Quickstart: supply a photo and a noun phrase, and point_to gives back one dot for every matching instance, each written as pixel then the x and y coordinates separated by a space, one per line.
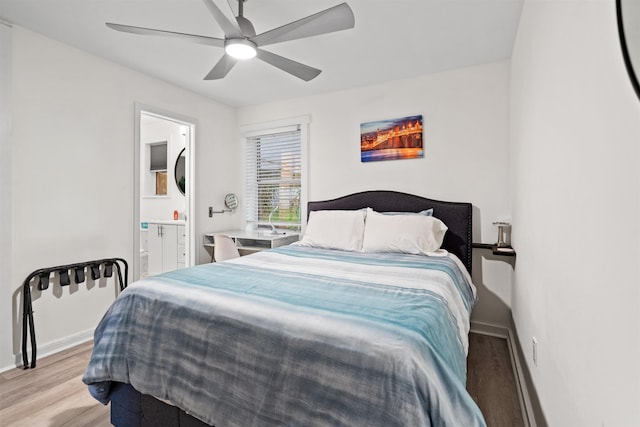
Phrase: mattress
pixel 297 336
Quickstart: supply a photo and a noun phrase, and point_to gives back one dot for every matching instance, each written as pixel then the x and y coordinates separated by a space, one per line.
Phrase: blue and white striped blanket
pixel 297 336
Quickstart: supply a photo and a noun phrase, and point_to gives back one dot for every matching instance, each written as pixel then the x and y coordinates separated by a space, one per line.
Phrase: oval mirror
pixel 231 201
pixel 179 172
pixel 628 13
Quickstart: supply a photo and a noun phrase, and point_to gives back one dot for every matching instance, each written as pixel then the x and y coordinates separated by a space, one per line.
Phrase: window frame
pixel 253 130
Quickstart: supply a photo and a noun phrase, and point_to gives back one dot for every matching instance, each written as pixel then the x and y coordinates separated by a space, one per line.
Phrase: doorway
pixel 164 226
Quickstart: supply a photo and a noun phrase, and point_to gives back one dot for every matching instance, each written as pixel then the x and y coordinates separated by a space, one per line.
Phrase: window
pixel 274 166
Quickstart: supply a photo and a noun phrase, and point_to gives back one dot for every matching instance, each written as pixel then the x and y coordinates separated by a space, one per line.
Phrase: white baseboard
pixel 7 368
pixel 52 347
pixel 523 390
pixel 521 384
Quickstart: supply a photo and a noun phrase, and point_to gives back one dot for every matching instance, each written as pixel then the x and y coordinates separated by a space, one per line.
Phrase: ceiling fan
pixel 241 42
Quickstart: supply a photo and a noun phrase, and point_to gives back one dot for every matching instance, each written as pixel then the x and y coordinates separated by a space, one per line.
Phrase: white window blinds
pixel 274 169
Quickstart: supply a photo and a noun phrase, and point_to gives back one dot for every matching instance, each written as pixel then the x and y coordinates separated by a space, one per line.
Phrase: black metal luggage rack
pixel 78 269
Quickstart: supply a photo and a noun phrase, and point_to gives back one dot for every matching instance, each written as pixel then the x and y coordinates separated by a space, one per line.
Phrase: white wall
pixel 73 139
pixel 465 117
pixel 575 145
pixel 6 259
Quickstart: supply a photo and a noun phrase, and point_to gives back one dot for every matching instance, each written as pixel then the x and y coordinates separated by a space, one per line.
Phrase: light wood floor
pixel 53 395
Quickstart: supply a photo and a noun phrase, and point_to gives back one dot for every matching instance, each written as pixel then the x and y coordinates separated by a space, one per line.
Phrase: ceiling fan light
pixel 240 48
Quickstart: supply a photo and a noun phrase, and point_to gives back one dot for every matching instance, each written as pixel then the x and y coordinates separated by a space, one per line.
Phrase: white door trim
pixel 190 172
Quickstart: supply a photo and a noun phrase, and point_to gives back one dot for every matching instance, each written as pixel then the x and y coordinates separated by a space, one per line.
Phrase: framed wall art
pixel 392 139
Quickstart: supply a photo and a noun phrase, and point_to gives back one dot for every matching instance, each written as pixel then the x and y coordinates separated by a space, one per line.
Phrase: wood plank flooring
pixel 491 381
pixel 53 395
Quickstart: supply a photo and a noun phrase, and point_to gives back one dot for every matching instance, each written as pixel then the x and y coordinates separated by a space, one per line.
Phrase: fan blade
pixel 224 17
pixel 222 68
pixel 336 18
pixel 294 68
pixel 210 41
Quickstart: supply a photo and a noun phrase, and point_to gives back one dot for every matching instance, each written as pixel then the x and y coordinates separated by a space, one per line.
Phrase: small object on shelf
pixel 502 233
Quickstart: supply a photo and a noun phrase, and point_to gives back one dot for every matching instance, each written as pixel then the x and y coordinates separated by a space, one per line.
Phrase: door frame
pixel 190 172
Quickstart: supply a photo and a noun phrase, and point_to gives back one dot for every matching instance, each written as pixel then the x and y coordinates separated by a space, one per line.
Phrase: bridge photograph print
pixel 391 139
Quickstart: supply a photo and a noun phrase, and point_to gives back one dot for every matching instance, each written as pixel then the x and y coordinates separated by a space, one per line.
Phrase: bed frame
pixel 130 408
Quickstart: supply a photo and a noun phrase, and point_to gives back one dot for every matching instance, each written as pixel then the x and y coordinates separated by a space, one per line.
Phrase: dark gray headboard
pixel 456 215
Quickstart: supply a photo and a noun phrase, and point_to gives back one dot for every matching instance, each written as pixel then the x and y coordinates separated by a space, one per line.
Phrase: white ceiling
pixel 392 39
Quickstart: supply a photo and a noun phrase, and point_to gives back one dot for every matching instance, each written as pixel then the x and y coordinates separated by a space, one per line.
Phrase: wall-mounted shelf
pixel 497 250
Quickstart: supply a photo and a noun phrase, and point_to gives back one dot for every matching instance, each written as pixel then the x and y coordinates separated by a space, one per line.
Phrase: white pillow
pixel 335 229
pixel 412 234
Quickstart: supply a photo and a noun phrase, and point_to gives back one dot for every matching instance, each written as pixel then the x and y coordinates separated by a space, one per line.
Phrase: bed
pixel 300 335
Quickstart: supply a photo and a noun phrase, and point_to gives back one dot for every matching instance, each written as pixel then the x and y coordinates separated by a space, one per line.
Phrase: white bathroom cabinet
pixel 166 247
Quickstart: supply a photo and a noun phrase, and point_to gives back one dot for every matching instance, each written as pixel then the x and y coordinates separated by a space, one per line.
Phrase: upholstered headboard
pixel 456 215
